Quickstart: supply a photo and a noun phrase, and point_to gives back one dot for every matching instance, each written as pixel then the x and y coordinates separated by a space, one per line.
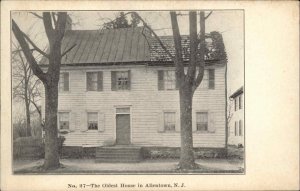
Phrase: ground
pixel 88 166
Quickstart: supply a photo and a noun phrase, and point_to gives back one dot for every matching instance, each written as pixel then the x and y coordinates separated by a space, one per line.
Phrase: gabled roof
pixel 237 92
pixel 126 45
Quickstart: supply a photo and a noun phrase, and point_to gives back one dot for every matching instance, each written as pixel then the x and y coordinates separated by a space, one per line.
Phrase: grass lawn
pixel 163 166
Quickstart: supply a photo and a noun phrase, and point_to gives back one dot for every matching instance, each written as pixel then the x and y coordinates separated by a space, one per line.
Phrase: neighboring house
pixel 236 125
pixel 119 86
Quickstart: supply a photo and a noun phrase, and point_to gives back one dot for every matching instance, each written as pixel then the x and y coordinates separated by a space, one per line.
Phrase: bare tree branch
pixel 35 47
pixel 193 46
pixel 38 16
pixel 54 19
pixel 31 60
pixel 178 47
pixel 201 61
pixel 68 50
pixel 208 15
pixel 155 35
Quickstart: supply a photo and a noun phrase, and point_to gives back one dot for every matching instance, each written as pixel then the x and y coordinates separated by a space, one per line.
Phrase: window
pixel 63 118
pixel 120 80
pixel 63 82
pixel 208 80
pixel 236 128
pixel 169 121
pixel 240 102
pixel 94 81
pixel 240 128
pixel 92 120
pixel 235 104
pixel 211 79
pixel 202 121
pixel 167 80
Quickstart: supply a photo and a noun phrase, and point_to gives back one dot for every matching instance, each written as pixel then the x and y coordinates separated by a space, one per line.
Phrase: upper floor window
pixel 64 120
pixel 202 121
pixel 63 82
pixel 208 80
pixel 94 81
pixel 169 121
pixel 92 120
pixel 167 80
pixel 120 80
pixel 211 79
pixel 238 102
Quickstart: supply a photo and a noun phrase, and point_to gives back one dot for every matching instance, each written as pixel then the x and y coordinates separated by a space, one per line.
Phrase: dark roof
pixel 120 46
pixel 237 92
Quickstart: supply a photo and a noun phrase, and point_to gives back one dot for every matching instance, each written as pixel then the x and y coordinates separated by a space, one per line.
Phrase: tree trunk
pixel 27 104
pixel 187 160
pixel 51 146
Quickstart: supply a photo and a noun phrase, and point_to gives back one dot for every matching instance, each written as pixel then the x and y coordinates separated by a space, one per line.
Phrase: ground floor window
pixel 92 120
pixel 202 121
pixel 64 120
pixel 169 121
pixel 238 128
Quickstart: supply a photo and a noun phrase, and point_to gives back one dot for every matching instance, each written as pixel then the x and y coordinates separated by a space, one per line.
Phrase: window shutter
pixel 160 80
pixel 100 81
pixel 211 123
pixel 129 80
pixel 101 122
pixel 235 128
pixel 177 124
pixel 72 121
pixel 160 122
pixel 211 79
pixel 66 81
pixel 241 101
pixel 113 80
pixel 241 128
pixel 88 81
pixel 83 121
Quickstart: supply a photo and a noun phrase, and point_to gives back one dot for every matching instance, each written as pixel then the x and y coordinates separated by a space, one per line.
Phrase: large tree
pixel 189 80
pixel 54 24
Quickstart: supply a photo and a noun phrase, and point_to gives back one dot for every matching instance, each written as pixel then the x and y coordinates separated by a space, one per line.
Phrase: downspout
pixel 226 122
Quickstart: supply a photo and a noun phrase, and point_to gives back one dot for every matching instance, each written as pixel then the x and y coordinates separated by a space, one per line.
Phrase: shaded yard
pixel 88 166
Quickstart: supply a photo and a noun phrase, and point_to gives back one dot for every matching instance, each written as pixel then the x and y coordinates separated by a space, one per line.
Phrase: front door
pixel 123 129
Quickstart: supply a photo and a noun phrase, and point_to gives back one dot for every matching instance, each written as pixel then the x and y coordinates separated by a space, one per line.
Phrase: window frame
pixel 240 128
pixel 164 119
pixel 207 121
pixel 88 122
pixel 62 90
pixel 211 79
pixel 115 86
pixel 58 119
pixel 86 81
pixel 172 82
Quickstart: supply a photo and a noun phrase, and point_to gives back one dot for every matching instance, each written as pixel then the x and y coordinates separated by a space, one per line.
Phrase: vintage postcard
pixel 149 95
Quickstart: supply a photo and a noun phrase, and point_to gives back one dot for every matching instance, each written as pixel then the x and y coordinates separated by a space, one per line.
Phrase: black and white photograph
pixel 128 92
pixel 149 95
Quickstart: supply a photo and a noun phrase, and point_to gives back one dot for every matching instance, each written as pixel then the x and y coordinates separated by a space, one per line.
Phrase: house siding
pixel 146 104
pixel 236 117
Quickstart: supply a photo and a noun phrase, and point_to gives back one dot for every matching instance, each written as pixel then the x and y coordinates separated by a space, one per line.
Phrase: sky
pixel 230 23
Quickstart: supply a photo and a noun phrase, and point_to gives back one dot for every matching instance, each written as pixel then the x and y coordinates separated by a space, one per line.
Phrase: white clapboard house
pixel 119 86
pixel 236 125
